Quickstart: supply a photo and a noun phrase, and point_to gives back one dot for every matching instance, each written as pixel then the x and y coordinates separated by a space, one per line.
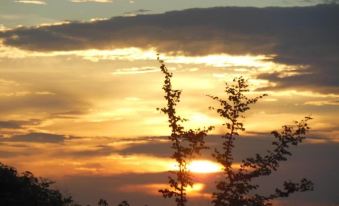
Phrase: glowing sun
pixel 204 166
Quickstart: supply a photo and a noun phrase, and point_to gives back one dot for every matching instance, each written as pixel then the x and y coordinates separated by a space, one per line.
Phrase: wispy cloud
pixel 137 12
pixel 322 103
pixel 37 2
pixel 135 70
pixel 87 1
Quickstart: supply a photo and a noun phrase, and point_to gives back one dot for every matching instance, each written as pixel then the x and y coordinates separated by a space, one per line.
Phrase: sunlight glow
pixel 134 53
pixel 204 166
pixel 195 190
pixel 197 119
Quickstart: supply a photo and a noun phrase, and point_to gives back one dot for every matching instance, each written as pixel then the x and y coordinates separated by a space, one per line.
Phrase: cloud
pixel 87 1
pixel 161 149
pixel 37 2
pixel 137 12
pixel 114 175
pixel 100 150
pixel 135 70
pixel 304 36
pixel 318 162
pixel 13 124
pixel 73 114
pixel 148 146
pixel 330 1
pixel 39 137
pixel 28 101
pixel 322 103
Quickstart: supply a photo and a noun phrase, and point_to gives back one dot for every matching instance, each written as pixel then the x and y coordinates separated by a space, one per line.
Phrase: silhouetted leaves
pixel 28 190
pixel 102 202
pixel 236 187
pixel 185 143
pixel 124 203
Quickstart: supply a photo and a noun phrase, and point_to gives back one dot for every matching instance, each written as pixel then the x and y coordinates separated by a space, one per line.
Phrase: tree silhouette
pixel 124 203
pixel 102 202
pixel 185 143
pixel 25 189
pixel 28 190
pixel 236 188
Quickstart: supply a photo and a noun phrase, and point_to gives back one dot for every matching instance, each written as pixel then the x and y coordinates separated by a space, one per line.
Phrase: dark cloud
pixel 100 150
pixel 109 188
pixel 73 114
pixel 296 35
pixel 142 145
pixel 38 137
pixel 57 104
pixel 314 161
pixel 245 147
pixel 331 1
pixel 161 149
pixel 12 124
pixel 322 1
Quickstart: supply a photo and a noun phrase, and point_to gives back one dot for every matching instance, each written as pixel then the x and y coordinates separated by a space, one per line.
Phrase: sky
pixel 80 86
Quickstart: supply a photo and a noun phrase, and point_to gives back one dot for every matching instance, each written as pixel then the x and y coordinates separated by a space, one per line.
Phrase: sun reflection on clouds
pixel 261 62
pixel 36 2
pixel 100 156
pixel 193 191
pixel 79 156
pixel 135 70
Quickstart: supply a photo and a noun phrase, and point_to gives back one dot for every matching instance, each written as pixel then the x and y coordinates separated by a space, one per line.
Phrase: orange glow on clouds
pixel 195 190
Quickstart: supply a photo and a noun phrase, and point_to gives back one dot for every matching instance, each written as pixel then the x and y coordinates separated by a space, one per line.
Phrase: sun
pixel 204 166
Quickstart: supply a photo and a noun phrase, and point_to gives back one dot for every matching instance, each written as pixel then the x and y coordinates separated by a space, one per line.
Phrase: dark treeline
pixel 27 190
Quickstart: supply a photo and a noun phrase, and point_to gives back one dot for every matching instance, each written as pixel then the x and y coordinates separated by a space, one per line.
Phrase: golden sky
pixel 79 98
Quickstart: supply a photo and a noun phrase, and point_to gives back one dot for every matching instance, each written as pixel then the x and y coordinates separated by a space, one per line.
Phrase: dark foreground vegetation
pixel 27 190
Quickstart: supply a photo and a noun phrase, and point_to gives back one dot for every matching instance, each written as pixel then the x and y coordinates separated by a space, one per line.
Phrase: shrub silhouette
pixel 102 202
pixel 25 189
pixel 185 143
pixel 28 190
pixel 124 203
pixel 236 188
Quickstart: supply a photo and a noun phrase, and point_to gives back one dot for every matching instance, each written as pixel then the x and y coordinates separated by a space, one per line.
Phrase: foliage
pixel 102 202
pixel 124 203
pixel 236 188
pixel 185 143
pixel 25 189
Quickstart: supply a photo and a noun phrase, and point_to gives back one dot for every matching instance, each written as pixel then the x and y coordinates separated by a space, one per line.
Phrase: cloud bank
pixel 305 36
pixel 39 137
pixel 37 2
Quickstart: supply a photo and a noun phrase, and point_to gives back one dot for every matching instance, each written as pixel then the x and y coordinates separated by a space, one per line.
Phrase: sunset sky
pixel 80 84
